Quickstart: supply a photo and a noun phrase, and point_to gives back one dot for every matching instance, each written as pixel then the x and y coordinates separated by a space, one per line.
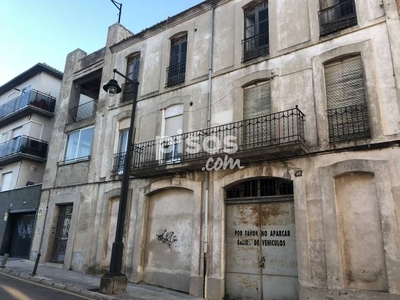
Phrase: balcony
pixel 348 123
pixel 274 136
pixel 30 102
pixel 255 46
pixel 23 147
pixel 176 74
pixel 81 112
pixel 129 91
pixel 337 17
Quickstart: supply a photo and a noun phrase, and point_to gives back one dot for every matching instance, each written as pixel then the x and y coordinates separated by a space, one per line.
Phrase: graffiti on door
pixel 25 230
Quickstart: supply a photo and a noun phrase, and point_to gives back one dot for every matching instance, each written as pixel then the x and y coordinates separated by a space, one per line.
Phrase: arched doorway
pixel 261 258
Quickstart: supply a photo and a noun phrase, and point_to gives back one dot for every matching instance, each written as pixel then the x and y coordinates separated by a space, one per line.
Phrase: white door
pixel 261 261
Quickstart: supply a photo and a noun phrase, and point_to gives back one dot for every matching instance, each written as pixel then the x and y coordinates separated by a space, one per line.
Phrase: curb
pixel 58 285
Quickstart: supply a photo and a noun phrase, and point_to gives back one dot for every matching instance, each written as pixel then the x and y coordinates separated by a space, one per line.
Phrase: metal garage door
pixel 261 261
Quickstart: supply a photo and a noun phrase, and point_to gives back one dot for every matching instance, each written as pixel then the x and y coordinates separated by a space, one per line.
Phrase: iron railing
pixel 24 144
pixel 33 98
pixel 348 123
pixel 255 46
pixel 176 74
pixel 81 112
pixel 262 132
pixel 129 92
pixel 337 17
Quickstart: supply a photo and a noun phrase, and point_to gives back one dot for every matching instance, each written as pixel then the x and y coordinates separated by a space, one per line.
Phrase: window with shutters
pixel 335 15
pixel 177 62
pixel 172 143
pixel 347 108
pixel 256 114
pixel 256 31
pixel 129 90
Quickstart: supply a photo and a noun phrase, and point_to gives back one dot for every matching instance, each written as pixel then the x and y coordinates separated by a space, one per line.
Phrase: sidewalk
pixel 84 284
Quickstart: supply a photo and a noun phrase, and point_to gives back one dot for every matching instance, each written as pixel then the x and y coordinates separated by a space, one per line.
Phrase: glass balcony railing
pixel 81 112
pixel 25 145
pixel 32 98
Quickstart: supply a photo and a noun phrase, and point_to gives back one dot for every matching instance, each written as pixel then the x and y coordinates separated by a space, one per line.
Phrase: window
pixel 256 115
pixel 129 90
pixel 335 15
pixel 177 63
pixel 172 144
pixel 122 147
pixel 256 31
pixel 79 145
pixel 6 181
pixel 264 187
pixel 346 100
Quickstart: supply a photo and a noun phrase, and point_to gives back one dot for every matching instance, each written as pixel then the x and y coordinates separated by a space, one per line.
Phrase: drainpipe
pixel 207 184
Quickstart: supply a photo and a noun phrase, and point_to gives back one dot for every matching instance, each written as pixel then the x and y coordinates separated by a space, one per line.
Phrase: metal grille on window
pixel 336 15
pixel 264 187
pixel 256 39
pixel 256 104
pixel 346 100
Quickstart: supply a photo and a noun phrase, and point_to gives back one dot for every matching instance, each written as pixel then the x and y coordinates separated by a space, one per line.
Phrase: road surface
pixel 14 288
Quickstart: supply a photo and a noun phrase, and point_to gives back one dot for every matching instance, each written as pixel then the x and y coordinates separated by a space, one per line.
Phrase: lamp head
pixel 112 88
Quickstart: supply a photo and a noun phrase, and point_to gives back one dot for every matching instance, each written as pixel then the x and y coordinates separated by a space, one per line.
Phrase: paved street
pixel 14 288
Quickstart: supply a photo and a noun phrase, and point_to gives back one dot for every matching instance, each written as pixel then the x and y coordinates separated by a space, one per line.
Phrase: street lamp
pixel 114 282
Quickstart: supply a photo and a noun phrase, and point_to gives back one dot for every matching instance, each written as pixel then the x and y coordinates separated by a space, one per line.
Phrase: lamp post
pixel 114 282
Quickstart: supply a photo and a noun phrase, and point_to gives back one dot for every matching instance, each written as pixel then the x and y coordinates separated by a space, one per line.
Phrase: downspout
pixel 207 183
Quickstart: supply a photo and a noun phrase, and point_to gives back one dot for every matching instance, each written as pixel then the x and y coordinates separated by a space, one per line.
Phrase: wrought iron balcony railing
pixel 81 112
pixel 129 91
pixel 25 145
pixel 32 98
pixel 238 138
pixel 348 123
pixel 255 46
pixel 176 74
pixel 337 17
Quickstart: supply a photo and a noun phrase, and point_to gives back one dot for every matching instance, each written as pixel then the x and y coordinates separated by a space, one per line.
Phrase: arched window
pixel 259 188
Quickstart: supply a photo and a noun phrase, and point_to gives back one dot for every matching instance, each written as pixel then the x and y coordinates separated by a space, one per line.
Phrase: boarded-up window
pixel 346 100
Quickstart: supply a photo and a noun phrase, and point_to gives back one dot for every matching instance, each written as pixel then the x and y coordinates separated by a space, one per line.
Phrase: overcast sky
pixel 45 31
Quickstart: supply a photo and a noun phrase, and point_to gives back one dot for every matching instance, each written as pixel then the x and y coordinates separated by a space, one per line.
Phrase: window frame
pixel 255 44
pixel 76 158
pixel 341 21
pixel 176 71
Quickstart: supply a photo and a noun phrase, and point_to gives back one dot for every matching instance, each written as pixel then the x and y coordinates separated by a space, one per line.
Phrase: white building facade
pixel 301 97
pixel 27 104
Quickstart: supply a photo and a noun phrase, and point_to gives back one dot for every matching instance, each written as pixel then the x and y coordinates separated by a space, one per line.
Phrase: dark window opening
pixel 264 187
pixel 335 15
pixel 177 63
pixel 256 32
pixel 129 90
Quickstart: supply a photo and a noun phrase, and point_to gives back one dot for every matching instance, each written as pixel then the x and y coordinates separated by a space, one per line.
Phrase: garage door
pixel 261 258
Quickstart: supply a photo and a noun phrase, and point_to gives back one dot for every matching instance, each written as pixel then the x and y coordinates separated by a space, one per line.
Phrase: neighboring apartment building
pixel 27 104
pixel 306 94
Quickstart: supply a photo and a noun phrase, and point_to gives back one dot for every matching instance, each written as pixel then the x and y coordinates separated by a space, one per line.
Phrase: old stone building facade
pixel 301 98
